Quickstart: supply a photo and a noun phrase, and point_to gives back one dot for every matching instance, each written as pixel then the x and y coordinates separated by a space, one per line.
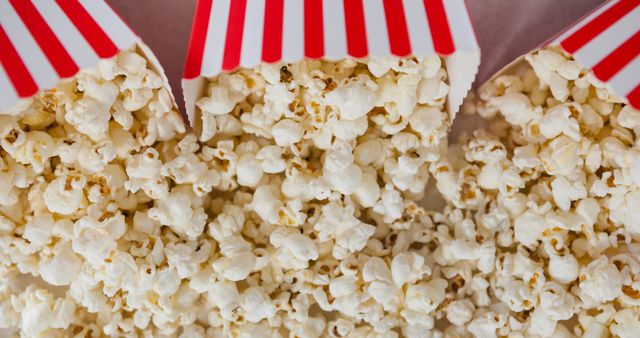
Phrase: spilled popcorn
pixel 548 196
pixel 297 210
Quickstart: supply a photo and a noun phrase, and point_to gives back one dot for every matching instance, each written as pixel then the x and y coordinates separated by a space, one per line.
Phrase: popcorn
pixel 629 117
pixel 296 210
pixel 560 156
pixel 407 268
pixel 249 170
pixel 562 194
pixel 38 230
pixel 625 324
pixel 287 132
pixel 266 203
pixel 425 297
pixel 600 280
pixel 176 211
pixel 558 120
pixel 368 192
pixel 144 172
pixel 42 312
pixel 271 159
pixel 237 267
pixel 353 98
pixel 64 195
pixel 301 247
pixel 350 234
pixel 256 305
pixel 390 204
pixel 460 312
pixel 428 122
pixel 37 148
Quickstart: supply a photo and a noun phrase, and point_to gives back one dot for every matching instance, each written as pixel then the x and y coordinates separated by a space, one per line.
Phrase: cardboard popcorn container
pixel 605 41
pixel 43 42
pixel 232 34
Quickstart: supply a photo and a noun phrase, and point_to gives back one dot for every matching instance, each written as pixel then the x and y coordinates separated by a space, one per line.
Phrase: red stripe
pixel 619 58
pixel 597 25
pixel 356 30
pixel 439 27
pixel 397 28
pixel 15 68
pixel 233 43
pixel 634 98
pixel 272 39
pixel 89 28
pixel 46 38
pixel 198 39
pixel 313 29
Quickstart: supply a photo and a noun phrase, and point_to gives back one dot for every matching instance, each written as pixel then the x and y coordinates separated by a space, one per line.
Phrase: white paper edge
pixel 192 90
pixel 462 68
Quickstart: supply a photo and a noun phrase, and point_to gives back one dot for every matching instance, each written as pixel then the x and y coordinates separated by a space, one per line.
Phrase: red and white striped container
pixel 229 34
pixel 44 41
pixel 607 41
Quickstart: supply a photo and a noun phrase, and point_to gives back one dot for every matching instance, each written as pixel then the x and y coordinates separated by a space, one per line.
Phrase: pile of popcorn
pixel 546 203
pixel 297 211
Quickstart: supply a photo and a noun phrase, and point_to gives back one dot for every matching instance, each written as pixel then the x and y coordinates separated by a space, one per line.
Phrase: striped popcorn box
pixel 605 41
pixel 75 65
pixel 46 41
pixel 238 34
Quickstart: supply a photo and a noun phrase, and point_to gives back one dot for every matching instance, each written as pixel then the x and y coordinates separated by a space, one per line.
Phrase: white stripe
pixel 293 31
pixel 626 79
pixel 33 57
pixel 376 28
pixel 335 34
pixel 8 95
pixel 252 34
pixel 586 19
pixel 216 36
pixel 73 42
pixel 418 26
pixel 462 33
pixel 605 43
pixel 110 22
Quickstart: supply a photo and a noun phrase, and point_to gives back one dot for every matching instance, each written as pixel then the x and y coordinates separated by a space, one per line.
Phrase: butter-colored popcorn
pixel 90 115
pixel 287 132
pixel 460 312
pixel 603 285
pixel 42 312
pixel 64 195
pixel 300 247
pixel 36 150
pixel 38 231
pixel 563 193
pixel 425 297
pixel 266 203
pixel 408 268
pixel 296 211
pixel 256 305
pixel 390 204
pixel 625 323
pixel 353 98
pixel 144 172
pixel 236 267
pixel 177 211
